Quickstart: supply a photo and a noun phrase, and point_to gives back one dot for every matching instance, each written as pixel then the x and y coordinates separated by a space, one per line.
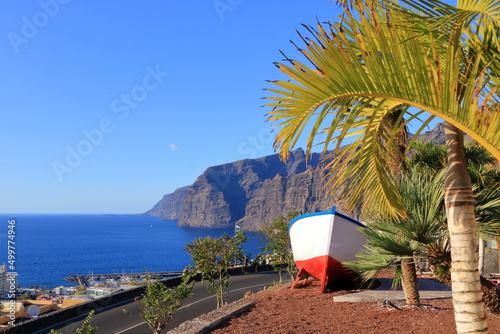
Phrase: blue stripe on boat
pixel 332 212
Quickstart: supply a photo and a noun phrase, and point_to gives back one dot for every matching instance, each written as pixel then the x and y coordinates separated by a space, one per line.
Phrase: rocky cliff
pixel 170 206
pixel 255 191
pixel 249 193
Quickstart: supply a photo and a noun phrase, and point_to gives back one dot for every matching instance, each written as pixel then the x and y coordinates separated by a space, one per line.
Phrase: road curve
pixel 114 320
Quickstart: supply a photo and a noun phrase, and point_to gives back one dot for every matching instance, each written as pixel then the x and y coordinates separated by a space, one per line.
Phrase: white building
pixel 8 282
pixel 61 290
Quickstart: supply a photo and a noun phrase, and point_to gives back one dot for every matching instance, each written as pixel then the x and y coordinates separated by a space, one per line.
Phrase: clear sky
pixel 108 105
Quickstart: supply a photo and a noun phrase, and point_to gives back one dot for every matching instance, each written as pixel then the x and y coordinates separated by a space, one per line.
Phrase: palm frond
pixel 362 69
pixel 487 210
pixel 370 261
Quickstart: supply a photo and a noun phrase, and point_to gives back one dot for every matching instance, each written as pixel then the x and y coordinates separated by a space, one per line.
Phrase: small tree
pixel 85 329
pixel 213 257
pixel 278 248
pixel 159 303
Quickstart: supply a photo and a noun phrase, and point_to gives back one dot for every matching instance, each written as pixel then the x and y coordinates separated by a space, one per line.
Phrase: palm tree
pixel 444 61
pixel 396 241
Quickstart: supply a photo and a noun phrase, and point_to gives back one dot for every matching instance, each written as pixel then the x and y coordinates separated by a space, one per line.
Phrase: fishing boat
pixel 321 241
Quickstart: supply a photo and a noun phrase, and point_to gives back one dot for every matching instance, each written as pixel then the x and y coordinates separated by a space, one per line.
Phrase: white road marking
pixel 143 323
pixel 126 330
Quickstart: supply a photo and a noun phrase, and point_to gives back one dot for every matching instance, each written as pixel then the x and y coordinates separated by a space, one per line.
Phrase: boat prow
pixel 321 241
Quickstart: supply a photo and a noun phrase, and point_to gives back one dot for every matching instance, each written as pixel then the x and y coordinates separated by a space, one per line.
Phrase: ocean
pixel 49 247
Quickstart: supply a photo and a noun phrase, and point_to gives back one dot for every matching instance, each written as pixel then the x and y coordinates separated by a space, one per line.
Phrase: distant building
pixel 94 293
pixel 3 279
pixel 61 290
pixel 8 281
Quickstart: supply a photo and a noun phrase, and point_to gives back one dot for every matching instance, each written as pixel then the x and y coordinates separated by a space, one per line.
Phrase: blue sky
pixel 107 106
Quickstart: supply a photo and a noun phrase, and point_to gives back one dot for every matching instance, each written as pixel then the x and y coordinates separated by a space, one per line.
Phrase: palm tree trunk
pixel 410 285
pixel 397 162
pixel 470 316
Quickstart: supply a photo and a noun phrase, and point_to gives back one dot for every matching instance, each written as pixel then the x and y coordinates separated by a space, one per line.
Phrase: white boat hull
pixel 321 242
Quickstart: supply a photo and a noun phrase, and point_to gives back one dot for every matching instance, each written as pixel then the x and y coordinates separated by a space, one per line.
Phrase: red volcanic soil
pixel 304 310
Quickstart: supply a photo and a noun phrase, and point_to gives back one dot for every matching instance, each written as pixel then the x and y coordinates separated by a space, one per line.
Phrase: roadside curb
pixel 209 321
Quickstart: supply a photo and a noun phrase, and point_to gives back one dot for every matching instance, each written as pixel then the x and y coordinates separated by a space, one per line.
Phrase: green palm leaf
pixel 358 75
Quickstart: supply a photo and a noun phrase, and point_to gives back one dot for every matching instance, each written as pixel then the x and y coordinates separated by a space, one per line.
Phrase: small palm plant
pixel 485 176
pixel 397 242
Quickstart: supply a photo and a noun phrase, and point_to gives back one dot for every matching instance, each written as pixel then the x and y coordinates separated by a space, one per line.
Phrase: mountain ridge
pixel 251 192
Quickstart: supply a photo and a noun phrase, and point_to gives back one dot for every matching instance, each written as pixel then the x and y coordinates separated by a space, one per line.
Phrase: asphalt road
pixel 114 320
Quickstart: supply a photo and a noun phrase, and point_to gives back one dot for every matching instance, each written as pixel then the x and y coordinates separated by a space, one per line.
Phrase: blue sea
pixel 49 247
